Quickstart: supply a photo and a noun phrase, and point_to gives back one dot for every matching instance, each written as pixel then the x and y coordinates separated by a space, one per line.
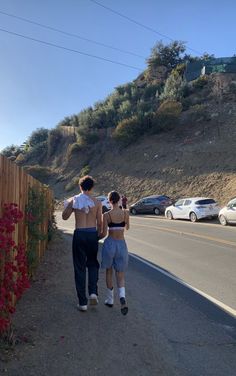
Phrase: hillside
pixel 196 158
pixel 156 135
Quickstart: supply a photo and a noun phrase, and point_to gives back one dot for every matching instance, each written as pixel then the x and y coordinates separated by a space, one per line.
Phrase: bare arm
pixel 99 219
pixel 127 220
pixel 104 226
pixel 67 211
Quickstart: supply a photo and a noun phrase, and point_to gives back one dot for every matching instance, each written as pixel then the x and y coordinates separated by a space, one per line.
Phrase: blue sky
pixel 40 85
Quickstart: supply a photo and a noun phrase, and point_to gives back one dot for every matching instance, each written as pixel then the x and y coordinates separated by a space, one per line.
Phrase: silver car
pixel 228 213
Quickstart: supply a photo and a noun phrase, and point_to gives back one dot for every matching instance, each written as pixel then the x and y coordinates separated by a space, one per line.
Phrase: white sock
pixel 110 296
pixel 121 292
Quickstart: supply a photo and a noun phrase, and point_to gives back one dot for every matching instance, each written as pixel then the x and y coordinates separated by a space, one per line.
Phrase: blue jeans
pixel 85 250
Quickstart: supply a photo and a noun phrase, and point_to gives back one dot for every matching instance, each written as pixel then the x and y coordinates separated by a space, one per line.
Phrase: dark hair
pixel 86 183
pixel 113 197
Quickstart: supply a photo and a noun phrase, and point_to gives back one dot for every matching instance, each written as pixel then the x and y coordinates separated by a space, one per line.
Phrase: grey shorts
pixel 114 254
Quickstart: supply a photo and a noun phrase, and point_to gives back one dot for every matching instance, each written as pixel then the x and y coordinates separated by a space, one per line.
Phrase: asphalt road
pixel 201 254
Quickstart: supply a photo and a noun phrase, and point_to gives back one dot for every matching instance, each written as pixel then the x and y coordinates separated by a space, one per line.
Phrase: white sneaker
pixel 82 308
pixel 93 299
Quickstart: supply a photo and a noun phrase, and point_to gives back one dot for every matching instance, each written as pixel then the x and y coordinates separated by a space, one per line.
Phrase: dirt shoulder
pixel 54 338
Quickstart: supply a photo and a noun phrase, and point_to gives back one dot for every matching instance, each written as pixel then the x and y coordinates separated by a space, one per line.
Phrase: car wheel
pixel 133 211
pixel 193 217
pixel 223 220
pixel 169 214
pixel 156 211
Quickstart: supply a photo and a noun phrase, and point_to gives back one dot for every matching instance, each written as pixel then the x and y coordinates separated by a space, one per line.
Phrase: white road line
pixel 209 297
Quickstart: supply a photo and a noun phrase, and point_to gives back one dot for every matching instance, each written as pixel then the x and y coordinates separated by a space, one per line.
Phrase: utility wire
pixel 140 24
pixel 69 49
pixel 69 34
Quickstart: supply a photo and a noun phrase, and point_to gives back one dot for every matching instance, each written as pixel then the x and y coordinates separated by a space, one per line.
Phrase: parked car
pixel 151 204
pixel 193 208
pixel 228 213
pixel 105 203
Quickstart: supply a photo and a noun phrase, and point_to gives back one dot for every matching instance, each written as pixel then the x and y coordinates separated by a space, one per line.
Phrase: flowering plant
pixel 13 265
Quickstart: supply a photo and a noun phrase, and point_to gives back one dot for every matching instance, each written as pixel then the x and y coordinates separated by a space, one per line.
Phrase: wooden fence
pixel 14 188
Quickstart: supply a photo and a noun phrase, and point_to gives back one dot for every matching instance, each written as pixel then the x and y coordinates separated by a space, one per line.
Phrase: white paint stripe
pixel 209 297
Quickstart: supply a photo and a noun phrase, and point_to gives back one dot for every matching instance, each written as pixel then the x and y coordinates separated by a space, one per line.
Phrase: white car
pixel 105 203
pixel 228 213
pixel 193 208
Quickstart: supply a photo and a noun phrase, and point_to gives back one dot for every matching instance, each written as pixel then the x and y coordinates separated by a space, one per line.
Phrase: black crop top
pixel 113 224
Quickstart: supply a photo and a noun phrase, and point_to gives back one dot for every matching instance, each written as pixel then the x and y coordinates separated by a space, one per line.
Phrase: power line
pixel 69 34
pixel 68 49
pixel 140 24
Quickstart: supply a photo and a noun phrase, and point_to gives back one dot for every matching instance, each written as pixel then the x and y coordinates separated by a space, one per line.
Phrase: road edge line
pixel 220 304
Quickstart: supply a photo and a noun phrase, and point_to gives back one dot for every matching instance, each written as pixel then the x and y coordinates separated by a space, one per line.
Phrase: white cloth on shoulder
pixel 83 202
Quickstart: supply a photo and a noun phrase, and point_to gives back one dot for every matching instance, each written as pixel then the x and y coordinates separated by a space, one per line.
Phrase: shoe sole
pixel 93 301
pixel 108 305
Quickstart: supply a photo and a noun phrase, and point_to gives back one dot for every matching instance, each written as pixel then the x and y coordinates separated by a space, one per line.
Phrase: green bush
pixel 84 171
pixel 200 82
pixel 54 137
pixel 167 116
pixel 40 173
pixel 128 130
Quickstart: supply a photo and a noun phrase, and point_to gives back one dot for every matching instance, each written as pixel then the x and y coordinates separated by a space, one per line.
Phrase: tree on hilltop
pixel 169 55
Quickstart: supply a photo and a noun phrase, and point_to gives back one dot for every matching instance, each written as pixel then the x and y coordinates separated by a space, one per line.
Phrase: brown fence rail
pixel 15 184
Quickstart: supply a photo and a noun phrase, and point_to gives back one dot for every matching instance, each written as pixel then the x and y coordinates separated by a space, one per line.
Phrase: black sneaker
pixel 124 308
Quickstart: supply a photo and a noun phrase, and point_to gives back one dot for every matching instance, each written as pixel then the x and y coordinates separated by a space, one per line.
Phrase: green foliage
pixel 38 136
pixel 36 210
pixel 38 152
pixel 84 171
pixel 40 172
pixel 200 82
pixel 167 116
pixel 129 130
pixel 12 150
pixel 54 137
pixel 86 136
pixel 174 87
pixel 166 55
pixel 73 149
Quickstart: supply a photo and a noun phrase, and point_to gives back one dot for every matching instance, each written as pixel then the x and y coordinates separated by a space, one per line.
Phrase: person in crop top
pixel 114 250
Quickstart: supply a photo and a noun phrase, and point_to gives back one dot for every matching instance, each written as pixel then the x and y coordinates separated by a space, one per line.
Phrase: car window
pixel 232 203
pixel 206 201
pixel 179 203
pixel 149 201
pixel 187 202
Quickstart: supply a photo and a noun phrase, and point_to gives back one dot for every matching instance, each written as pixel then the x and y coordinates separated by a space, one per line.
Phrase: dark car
pixel 151 205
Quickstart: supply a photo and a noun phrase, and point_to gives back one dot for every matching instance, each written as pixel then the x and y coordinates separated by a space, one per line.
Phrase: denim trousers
pixel 85 250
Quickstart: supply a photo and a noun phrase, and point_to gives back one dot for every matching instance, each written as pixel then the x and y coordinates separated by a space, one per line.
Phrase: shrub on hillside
pixel 38 136
pixel 86 136
pixel 36 153
pixel 200 82
pixel 73 149
pixel 54 137
pixel 75 181
pixel 167 116
pixel 128 130
pixel 175 87
pixel 39 172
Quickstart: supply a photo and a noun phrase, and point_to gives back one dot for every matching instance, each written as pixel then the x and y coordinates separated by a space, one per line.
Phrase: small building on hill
pixel 198 68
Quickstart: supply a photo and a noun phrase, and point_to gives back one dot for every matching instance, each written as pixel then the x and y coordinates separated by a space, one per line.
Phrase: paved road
pixel 202 254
